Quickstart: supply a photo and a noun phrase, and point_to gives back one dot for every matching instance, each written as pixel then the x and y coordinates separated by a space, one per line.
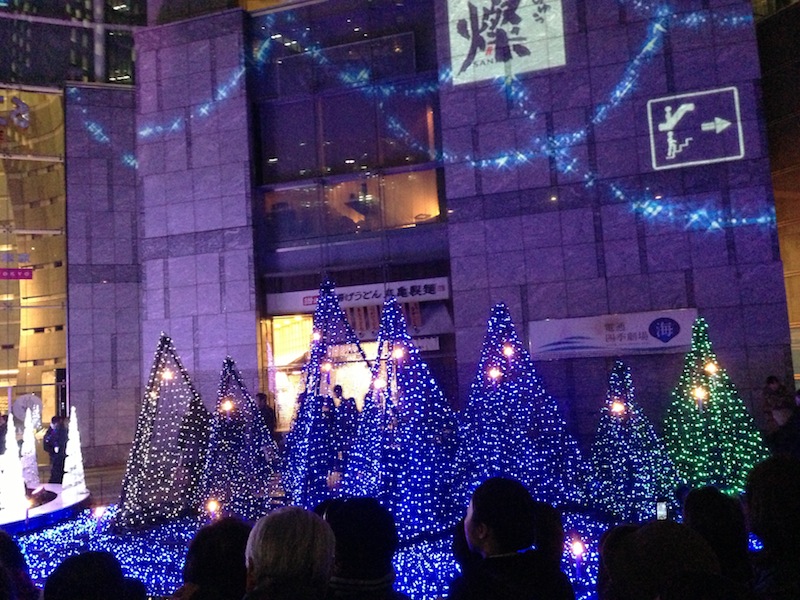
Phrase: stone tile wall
pixel 196 251
pixel 103 330
pixel 574 221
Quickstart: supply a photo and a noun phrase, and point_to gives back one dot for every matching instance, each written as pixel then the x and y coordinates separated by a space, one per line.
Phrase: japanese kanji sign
pixel 613 335
pixel 695 129
pixel 497 38
pixel 417 290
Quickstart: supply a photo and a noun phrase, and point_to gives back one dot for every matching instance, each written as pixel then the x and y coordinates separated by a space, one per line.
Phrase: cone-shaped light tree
pixel 629 469
pixel 30 468
pixel 709 434
pixel 74 477
pixel 12 483
pixel 238 465
pixel 312 468
pixel 163 476
pixel 407 436
pixel 512 427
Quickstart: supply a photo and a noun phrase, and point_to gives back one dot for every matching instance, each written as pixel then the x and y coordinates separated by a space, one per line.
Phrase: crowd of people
pixel 508 547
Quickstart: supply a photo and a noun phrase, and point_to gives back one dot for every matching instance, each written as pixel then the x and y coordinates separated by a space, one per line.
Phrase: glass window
pixel 407 125
pixel 349 132
pixel 289 140
pixel 293 213
pixel 119 57
pixel 353 206
pixel 410 198
pixel 126 12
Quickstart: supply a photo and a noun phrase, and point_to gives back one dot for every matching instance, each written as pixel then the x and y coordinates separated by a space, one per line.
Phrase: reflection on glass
pixel 368 203
pixel 32 206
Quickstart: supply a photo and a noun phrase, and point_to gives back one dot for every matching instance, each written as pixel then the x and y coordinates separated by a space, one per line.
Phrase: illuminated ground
pixel 156 557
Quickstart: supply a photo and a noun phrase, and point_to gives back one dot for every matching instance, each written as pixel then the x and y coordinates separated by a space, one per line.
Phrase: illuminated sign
pixel 695 129
pixel 498 38
pixel 613 335
pixel 417 290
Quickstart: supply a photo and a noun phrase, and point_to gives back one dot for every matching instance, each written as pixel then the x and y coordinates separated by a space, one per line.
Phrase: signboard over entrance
pixel 417 290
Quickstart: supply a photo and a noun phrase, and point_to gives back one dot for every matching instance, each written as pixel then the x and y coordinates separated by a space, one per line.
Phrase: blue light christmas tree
pixel 238 470
pixel 407 436
pixel 312 467
pixel 629 466
pixel 709 434
pixel 512 428
pixel 162 479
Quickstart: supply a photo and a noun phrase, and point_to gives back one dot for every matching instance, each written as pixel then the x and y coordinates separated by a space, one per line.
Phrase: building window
pixel 352 205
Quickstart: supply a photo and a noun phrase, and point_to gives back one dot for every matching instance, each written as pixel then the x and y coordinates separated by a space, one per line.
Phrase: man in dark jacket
pixel 55 444
pixel 500 527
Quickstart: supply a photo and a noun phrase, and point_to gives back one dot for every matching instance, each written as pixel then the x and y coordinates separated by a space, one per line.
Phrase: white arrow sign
pixel 718 125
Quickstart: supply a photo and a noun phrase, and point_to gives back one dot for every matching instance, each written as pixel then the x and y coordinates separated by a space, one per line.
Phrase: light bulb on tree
pixel 379 384
pixel 618 408
pixel 495 373
pixel 398 353
pixel 326 367
pixel 711 368
pixel 508 350
pixel 226 405
pixel 167 375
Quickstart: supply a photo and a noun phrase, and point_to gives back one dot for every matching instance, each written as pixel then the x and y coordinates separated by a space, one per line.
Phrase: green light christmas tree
pixel 710 436
pixel 629 466
pixel 163 475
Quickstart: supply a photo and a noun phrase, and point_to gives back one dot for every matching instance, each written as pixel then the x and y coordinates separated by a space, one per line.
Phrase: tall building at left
pixel 66 66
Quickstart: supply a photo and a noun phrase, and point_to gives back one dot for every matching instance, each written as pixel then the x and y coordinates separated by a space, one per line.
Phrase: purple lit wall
pixel 193 151
pixel 633 178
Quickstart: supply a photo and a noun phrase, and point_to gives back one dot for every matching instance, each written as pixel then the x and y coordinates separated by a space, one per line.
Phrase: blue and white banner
pixel 613 335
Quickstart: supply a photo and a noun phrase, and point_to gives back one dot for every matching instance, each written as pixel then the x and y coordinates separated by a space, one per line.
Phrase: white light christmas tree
pixel 30 468
pixel 407 436
pixel 629 467
pixel 709 434
pixel 238 470
pixel 74 478
pixel 312 464
pixel 512 427
pixel 162 480
pixel 12 483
